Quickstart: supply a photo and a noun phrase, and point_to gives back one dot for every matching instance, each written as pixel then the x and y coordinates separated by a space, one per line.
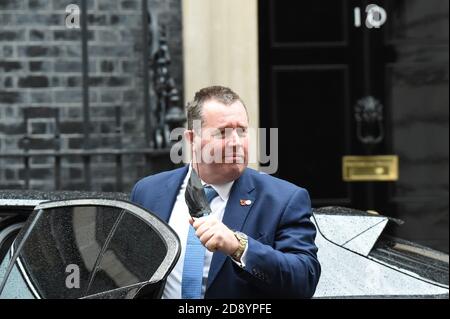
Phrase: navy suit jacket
pixel 281 258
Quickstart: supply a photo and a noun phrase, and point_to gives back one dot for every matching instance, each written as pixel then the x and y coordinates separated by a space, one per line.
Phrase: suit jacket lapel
pixel 168 194
pixel 234 217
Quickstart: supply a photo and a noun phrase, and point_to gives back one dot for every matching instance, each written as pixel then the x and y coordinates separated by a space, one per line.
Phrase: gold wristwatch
pixel 243 240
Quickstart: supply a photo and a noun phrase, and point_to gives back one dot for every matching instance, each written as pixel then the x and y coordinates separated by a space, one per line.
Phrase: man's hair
pixel 220 94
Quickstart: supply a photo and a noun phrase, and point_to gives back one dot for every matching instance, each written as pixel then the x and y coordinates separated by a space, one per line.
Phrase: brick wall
pixel 40 68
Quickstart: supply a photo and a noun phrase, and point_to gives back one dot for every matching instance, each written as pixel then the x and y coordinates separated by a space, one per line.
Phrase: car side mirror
pixel 90 248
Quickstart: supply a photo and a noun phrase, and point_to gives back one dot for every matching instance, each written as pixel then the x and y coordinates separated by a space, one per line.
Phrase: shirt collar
pixel 222 189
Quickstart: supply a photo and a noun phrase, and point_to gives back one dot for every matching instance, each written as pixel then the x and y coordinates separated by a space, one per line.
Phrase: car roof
pixel 31 198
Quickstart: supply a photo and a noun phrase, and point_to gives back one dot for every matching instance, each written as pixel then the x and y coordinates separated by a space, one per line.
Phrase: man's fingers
pixel 211 244
pixel 201 229
pixel 210 220
pixel 211 233
pixel 206 236
pixel 198 222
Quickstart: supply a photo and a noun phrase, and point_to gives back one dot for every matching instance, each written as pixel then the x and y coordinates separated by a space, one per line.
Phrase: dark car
pixel 359 260
pixel 99 245
pixel 82 245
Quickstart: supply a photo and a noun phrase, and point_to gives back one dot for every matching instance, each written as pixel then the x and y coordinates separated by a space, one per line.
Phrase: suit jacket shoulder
pixel 158 192
pixel 156 180
pixel 278 187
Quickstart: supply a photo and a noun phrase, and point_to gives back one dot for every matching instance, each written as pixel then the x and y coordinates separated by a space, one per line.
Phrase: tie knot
pixel 210 193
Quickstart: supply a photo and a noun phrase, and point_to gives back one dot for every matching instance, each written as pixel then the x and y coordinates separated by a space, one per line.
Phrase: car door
pixel 10 226
pixel 89 248
pixel 356 265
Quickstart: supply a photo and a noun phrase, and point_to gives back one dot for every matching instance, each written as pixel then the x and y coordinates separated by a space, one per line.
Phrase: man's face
pixel 223 142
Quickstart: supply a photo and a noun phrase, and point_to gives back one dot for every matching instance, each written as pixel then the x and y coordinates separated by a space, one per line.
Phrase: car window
pixel 63 241
pixel 133 255
pixel 3 265
pixel 19 288
pixel 90 248
pixel 7 236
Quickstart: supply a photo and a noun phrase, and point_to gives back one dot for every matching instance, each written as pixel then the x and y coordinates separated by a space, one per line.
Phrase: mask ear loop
pixel 196 162
pixel 192 151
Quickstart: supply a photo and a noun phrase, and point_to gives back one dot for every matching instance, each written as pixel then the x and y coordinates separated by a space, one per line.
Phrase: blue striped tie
pixel 191 283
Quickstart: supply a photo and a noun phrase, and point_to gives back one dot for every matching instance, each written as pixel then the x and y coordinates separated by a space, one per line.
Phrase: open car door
pixel 89 248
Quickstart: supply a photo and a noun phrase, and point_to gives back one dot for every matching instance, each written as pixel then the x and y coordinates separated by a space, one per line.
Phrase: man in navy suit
pixel 259 239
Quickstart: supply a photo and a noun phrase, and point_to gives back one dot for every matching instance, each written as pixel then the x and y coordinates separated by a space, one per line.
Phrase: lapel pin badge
pixel 245 202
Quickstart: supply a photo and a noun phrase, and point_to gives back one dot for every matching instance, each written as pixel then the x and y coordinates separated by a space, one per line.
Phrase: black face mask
pixel 195 197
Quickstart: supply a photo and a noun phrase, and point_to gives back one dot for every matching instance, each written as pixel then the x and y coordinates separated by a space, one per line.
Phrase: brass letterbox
pixel 370 168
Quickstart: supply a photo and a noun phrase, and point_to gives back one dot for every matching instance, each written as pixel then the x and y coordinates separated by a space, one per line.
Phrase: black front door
pixel 319 61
